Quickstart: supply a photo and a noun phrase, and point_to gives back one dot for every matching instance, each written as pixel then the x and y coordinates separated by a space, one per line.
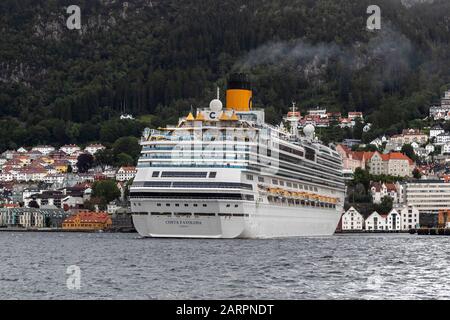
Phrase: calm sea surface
pixel 124 266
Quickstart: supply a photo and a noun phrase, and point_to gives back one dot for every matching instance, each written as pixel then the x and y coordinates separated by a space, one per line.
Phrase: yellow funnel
pixel 239 93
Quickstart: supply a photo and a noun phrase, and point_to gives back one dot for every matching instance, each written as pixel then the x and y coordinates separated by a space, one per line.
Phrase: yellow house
pixel 60 166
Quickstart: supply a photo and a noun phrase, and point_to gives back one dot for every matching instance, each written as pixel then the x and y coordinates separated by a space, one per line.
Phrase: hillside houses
pixel 94 148
pixel 319 117
pixel 125 173
pixel 42 163
pixel 442 111
pixel 379 190
pixel 409 136
pixel 393 163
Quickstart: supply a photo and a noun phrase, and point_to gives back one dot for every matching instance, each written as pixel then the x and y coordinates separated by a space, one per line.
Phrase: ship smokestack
pixel 239 92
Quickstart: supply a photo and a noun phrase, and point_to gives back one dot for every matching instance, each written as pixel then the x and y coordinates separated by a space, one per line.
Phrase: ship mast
pixel 293 118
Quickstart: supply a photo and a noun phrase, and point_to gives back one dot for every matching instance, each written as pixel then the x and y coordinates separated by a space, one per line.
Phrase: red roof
pixel 89 216
pixel 393 156
pixel 390 187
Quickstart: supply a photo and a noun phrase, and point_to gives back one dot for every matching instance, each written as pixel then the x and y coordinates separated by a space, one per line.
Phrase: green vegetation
pixel 408 150
pixel 359 194
pixel 124 151
pixel 104 191
pixel 155 60
pixel 85 161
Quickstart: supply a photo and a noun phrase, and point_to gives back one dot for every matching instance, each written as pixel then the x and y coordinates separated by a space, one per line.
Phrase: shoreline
pixel 65 230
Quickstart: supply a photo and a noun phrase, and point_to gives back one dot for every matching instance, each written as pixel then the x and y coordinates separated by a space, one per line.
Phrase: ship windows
pixel 236 205
pixel 260 179
pixel 289 185
pixel 228 205
pixel 225 214
pixel 281 183
pixel 310 154
pixel 161 213
pixel 186 205
pixel 158 204
pixel 177 204
pixel 155 174
pixel 212 174
pixel 183 214
pixel 157 184
pixel 250 177
pixel 200 214
pixel 180 174
pixel 295 185
pixel 195 205
pixel 274 181
pixel 205 205
pixel 167 204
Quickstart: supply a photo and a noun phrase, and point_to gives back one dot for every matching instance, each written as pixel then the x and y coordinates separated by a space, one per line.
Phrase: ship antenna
pixel 218 93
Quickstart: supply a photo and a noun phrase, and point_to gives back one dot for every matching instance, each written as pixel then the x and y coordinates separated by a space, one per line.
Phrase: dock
pixel 431 231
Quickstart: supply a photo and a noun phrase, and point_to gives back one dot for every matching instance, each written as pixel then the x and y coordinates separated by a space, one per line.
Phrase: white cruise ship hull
pixel 257 221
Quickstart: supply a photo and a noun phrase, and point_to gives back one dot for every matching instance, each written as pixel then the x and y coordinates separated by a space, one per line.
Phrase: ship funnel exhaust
pixel 239 92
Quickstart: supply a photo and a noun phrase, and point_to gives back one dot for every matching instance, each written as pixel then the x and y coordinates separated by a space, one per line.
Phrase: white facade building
pixel 442 138
pixel 435 131
pixel 393 221
pixel 6 176
pixel 441 111
pixel 322 113
pixel 352 220
pixel 31 219
pixel 55 178
pixel 381 190
pixel 43 149
pixel 375 222
pixel 93 148
pixel 70 148
pixel 409 217
pixel 429 148
pixel 428 195
pixel 445 149
pixel 125 173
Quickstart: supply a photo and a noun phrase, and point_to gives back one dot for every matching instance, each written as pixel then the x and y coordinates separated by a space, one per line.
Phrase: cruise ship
pixel 223 172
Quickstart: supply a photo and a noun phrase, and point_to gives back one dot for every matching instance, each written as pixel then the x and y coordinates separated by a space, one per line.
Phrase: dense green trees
pixel 106 191
pixel 385 206
pixel 408 150
pixel 124 151
pixel 85 161
pixel 59 86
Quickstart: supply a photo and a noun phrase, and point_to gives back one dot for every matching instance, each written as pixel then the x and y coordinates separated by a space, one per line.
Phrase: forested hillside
pixel 159 57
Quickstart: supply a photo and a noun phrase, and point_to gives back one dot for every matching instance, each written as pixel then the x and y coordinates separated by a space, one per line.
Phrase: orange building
pixel 87 220
pixel 443 218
